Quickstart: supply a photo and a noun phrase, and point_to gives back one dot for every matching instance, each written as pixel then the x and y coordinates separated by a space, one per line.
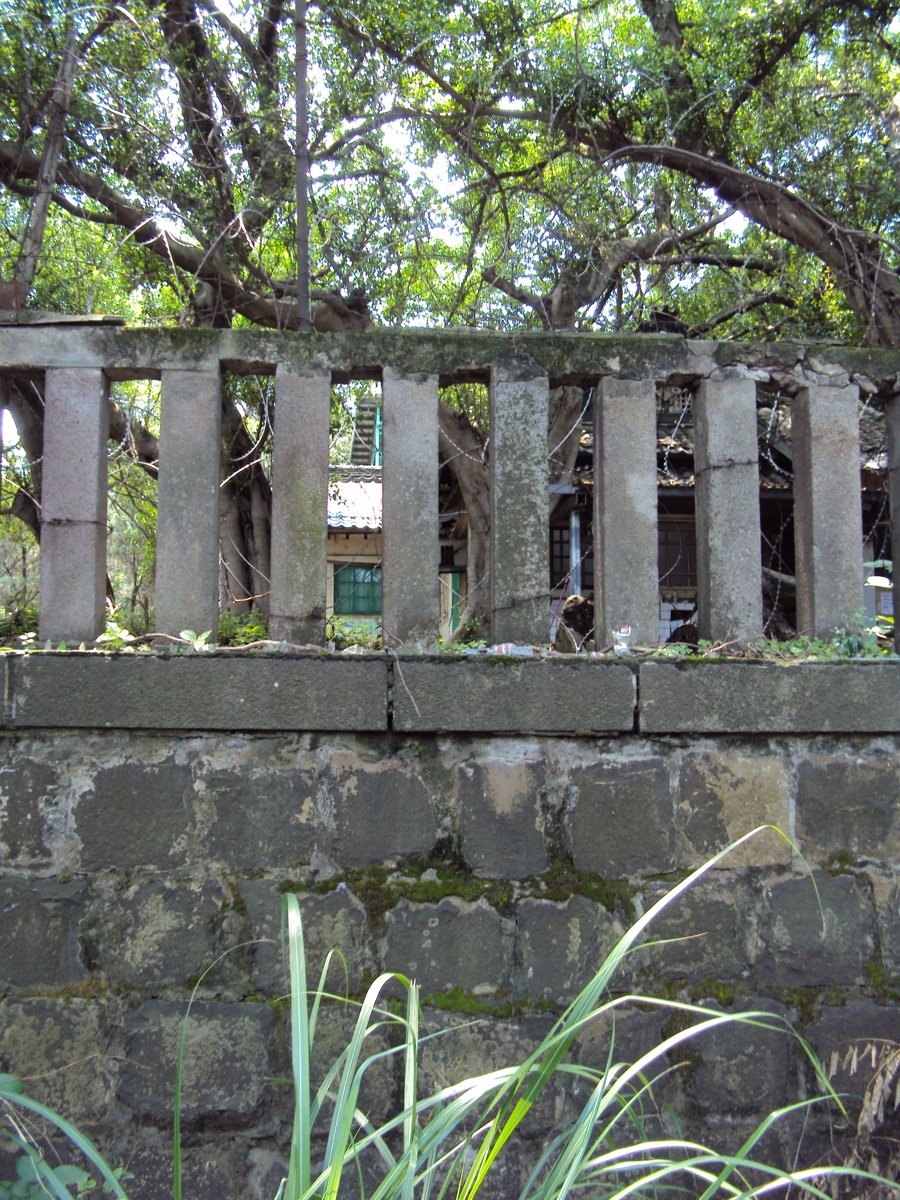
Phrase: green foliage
pixel 19 568
pixel 17 621
pixel 116 635
pixel 857 638
pixel 31 1182
pixel 242 629
pixel 353 631
pixel 50 1180
pixel 450 143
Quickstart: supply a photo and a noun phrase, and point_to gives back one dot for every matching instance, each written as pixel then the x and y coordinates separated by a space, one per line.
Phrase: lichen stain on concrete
pixel 157 924
pixel 508 787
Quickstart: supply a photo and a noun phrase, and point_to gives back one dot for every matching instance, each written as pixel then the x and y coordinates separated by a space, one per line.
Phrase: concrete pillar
pixel 726 467
pixel 626 584
pixel 299 507
pixel 892 412
pixel 73 504
pixel 187 533
pixel 411 555
pixel 520 508
pixel 827 507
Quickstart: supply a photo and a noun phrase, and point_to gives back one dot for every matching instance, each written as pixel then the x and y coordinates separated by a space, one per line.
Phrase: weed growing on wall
pixel 450 1143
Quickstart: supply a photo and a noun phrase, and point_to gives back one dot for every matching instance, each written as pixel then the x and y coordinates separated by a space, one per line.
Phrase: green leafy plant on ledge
pixel 450 1143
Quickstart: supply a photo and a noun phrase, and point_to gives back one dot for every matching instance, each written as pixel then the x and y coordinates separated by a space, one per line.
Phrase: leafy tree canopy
pixel 490 162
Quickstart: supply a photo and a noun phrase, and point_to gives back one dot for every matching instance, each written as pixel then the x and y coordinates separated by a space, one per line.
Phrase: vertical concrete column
pixel 520 506
pixel 187 531
pixel 411 557
pixel 626 584
pixel 827 507
pixel 726 467
pixel 892 412
pixel 299 507
pixel 73 504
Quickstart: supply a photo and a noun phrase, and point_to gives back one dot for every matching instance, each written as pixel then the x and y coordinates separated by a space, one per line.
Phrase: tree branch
pixel 516 293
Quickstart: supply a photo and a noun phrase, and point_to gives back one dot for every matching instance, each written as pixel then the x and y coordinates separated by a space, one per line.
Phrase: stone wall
pixel 488 826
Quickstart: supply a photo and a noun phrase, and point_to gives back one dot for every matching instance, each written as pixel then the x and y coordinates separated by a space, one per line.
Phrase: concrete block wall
pixel 489 827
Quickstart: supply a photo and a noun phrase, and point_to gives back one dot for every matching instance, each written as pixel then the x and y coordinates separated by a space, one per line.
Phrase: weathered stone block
pixel 801 943
pixel 743 1067
pixel 886 890
pixel 840 1037
pixel 563 945
pixel 39 931
pixel 25 785
pixel 66 1051
pixel 702 934
pixel 723 794
pixel 378 806
pixel 137 814
pixel 333 921
pixel 622 822
pixel 196 692
pixel 500 821
pixel 433 943
pixel 503 694
pixel 226 1061
pixel 156 934
pixel 216 1169
pixel 466 1049
pixel 748 697
pixel 849 804
pixel 259 819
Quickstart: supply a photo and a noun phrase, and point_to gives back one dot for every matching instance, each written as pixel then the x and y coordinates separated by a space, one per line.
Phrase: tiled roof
pixel 354 498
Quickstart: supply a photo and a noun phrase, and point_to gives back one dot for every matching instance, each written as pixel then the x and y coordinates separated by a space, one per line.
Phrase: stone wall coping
pixel 215 692
pixel 859 696
pixel 449 353
pixel 560 695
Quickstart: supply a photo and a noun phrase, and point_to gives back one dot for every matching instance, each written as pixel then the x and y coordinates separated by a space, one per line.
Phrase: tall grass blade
pixel 299 1162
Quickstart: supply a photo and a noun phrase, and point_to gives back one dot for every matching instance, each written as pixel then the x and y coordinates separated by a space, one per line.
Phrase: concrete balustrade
pixel 726 468
pixel 520 571
pixel 625 522
pixel 187 532
pixel 299 507
pixel 827 507
pixel 73 504
pixel 75 362
pixel 410 597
